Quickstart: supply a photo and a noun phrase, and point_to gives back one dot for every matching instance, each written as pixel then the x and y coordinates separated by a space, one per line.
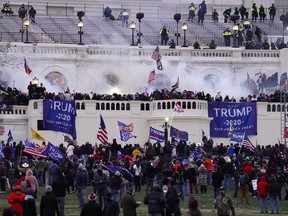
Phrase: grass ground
pixel 205 204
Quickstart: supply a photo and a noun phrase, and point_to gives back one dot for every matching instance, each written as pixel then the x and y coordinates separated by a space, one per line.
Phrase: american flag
pixel 178 108
pixel 102 132
pixel 33 149
pixel 151 76
pixel 247 144
pixel 156 54
pixel 159 64
pixel 26 66
pixel 2 130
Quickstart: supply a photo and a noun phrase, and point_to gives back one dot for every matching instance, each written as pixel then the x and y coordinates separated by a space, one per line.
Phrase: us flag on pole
pixel 247 144
pixel 33 149
pixel 156 54
pixel 26 66
pixel 102 132
pixel 151 76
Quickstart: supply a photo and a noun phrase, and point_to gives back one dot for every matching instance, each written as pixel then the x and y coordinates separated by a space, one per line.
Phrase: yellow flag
pixel 36 135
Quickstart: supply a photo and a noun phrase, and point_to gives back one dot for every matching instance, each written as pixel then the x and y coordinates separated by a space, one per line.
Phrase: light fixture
pixel 80 25
pixel 235 32
pixel 184 28
pixel 132 27
pixel 27 24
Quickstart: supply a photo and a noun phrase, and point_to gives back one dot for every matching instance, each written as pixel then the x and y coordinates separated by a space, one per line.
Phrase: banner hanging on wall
pixel 241 116
pixel 60 115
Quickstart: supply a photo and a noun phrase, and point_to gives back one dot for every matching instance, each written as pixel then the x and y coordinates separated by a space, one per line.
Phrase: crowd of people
pixel 12 96
pixel 168 174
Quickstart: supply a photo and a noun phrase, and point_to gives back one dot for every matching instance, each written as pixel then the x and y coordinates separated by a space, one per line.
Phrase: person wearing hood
pixel 115 185
pixel 33 182
pixel 156 201
pixel 16 198
pixel 129 204
pixel 28 204
pixel 48 203
pixel 262 188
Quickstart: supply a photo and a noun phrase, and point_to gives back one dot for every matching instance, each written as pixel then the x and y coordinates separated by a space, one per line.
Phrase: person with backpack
pixel 243 187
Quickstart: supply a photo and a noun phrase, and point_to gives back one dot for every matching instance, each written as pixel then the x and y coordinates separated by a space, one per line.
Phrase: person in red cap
pixel 91 207
pixel 16 198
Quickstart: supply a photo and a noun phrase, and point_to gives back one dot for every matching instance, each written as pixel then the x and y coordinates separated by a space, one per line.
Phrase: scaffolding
pixel 284 117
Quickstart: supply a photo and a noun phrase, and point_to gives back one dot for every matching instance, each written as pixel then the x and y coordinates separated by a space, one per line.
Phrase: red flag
pixel 26 66
pixel 151 76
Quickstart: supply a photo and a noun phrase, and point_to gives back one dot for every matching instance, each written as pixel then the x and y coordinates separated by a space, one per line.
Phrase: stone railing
pixel 110 50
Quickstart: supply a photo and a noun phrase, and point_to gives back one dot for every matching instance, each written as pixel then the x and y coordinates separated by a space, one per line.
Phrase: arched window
pixel 142 106
pixel 128 106
pixel 159 106
pixel 77 106
pixel 35 105
pixel 82 106
pixel 112 106
pixel 147 106
pixel 122 106
pixel 102 106
pixel 278 108
pixel 163 105
pixel 184 105
pixel 273 108
pixel 168 105
pixel 194 105
pixel 117 106
pixel 97 106
pixel 107 106
pixel 189 105
pixel 268 108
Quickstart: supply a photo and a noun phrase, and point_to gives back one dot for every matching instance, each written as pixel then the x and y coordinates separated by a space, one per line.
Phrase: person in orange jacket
pixel 16 198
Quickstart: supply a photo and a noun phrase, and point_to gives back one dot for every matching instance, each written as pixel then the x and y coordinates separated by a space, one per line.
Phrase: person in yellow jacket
pixel 227 34
pixel 136 152
pixel 255 12
pixel 125 18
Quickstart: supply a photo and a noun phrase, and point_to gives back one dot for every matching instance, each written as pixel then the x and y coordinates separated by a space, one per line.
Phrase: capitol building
pixel 99 57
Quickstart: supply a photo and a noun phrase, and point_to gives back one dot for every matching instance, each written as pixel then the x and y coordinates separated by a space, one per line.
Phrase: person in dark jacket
pixel 115 185
pixel 59 189
pixel 172 200
pixel 48 203
pixel 129 204
pixel 32 13
pixel 28 204
pixel 274 190
pixel 91 208
pixel 228 171
pixel 81 182
pixel 217 178
pixel 155 201
pixel 111 207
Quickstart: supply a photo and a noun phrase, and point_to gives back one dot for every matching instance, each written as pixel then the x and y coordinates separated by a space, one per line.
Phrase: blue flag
pixel 125 131
pixel 236 136
pixel 60 115
pixel 177 134
pixel 54 153
pixel 10 137
pixel 156 134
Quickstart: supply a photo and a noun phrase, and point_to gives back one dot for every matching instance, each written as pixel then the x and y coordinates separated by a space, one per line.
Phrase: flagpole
pixel 242 142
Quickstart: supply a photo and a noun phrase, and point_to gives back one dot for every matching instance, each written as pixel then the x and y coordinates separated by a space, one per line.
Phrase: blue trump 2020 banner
pixel 156 134
pixel 60 115
pixel 54 153
pixel 241 116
